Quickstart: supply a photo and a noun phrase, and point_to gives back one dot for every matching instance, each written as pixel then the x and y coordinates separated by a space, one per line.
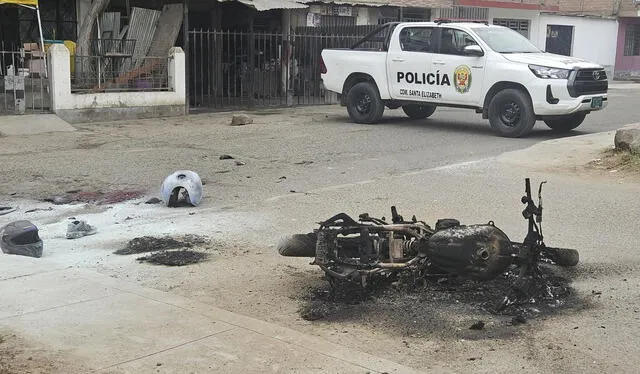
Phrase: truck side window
pixel 416 39
pixel 452 41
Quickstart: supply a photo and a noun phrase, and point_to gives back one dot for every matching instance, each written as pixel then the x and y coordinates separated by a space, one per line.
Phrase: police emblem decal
pixel 462 78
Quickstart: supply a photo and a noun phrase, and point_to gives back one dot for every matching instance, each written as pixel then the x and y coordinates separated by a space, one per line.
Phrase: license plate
pixel 596 103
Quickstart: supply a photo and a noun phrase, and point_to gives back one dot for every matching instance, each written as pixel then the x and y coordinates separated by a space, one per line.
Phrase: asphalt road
pixel 456 135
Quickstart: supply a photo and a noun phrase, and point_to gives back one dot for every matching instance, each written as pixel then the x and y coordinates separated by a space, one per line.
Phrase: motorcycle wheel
pixel 298 245
pixel 562 256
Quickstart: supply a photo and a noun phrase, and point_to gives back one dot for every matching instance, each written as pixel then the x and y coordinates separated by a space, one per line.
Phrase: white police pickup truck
pixel 496 71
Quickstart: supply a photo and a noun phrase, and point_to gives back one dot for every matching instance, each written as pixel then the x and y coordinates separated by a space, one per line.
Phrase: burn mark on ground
pixel 146 244
pixel 167 250
pixel 444 305
pixel 174 258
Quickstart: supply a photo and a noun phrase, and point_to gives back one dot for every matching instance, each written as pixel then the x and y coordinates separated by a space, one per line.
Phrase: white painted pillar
pixel 59 76
pixel 177 73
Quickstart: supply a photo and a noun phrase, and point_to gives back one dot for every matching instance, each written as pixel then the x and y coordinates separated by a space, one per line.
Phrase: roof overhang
pixel 506 5
pixel 262 5
pixel 381 3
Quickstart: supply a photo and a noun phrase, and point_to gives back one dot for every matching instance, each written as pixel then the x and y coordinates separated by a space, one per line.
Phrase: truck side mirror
pixel 473 50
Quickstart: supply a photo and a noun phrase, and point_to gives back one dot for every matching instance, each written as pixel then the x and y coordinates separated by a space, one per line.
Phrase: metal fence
pixel 118 74
pixel 236 69
pixel 230 69
pixel 24 87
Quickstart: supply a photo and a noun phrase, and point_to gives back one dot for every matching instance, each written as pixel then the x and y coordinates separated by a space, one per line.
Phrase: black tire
pixel 565 257
pixel 364 104
pixel 511 113
pixel 298 245
pixel 415 111
pixel 566 123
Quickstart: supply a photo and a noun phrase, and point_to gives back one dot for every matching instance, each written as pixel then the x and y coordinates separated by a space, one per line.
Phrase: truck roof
pixel 440 22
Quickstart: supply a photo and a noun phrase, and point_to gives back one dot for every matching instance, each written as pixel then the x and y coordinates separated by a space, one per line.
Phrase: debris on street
pixel 241 120
pixel 94 197
pixel 226 157
pixel 153 200
pixel 39 210
pixel 174 258
pixel 151 244
pixel 6 210
pixel 21 238
pixel 182 188
pixel 79 228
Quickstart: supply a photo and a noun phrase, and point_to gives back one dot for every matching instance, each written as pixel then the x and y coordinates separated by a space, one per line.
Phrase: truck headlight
pixel 549 73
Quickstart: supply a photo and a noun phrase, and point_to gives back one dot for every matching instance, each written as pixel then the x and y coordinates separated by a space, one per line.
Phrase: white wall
pixel 594 39
pixel 63 99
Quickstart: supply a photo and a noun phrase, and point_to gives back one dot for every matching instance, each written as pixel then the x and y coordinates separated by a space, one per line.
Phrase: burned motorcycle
pixel 350 250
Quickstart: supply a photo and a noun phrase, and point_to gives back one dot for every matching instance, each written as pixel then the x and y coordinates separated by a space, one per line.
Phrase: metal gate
pixel 229 69
pixel 24 87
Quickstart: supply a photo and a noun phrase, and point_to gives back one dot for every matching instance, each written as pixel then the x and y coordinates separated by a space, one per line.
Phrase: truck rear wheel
pixel 364 104
pixel 566 123
pixel 511 113
pixel 415 111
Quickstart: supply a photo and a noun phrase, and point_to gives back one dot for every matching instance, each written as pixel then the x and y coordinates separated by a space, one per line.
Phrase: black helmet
pixel 21 238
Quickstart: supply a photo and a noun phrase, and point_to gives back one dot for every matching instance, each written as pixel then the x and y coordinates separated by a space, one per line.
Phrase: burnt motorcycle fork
pixel 529 252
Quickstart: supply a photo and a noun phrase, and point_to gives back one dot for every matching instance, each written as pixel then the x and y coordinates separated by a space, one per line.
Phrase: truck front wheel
pixel 364 104
pixel 566 123
pixel 415 111
pixel 511 113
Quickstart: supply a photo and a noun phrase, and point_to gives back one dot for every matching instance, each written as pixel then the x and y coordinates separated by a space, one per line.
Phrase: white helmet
pixel 185 181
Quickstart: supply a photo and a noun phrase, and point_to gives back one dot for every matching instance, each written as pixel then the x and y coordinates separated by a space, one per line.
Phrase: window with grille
pixel 519 25
pixel 632 41
pixel 58 21
pixel 394 14
pixel 337 21
pixel 465 13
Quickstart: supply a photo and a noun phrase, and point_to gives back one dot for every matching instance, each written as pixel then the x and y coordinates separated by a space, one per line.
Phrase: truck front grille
pixel 587 82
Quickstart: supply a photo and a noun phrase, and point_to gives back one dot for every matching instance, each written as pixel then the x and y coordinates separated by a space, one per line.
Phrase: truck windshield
pixel 505 40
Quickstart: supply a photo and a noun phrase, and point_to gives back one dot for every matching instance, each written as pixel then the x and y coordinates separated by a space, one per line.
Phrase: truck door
pixel 408 64
pixel 460 74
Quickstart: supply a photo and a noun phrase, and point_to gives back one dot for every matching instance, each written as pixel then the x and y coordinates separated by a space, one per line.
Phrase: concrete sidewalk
pixel 30 124
pixel 113 326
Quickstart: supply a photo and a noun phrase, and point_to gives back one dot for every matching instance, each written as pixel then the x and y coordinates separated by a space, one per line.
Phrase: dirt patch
pixel 421 306
pixel 18 356
pixel 175 258
pixel 617 161
pixel 146 244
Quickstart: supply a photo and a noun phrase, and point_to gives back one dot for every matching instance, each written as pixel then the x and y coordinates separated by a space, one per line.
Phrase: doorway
pixel 559 39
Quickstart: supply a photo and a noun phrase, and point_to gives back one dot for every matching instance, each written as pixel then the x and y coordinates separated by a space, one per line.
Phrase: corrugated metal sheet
pixel 142 27
pixel 396 3
pixel 261 5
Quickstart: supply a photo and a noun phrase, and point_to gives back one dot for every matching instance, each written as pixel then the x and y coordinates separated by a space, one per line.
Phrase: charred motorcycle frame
pixel 350 250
